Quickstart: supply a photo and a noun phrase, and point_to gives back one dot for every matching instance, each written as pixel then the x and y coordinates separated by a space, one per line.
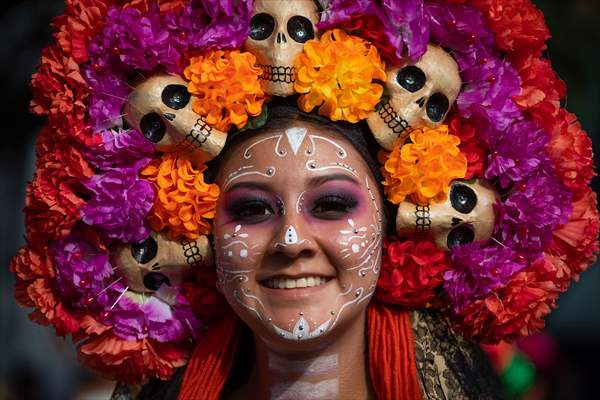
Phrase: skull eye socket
pixel 411 78
pixel 261 26
pixel 153 127
pixel 463 198
pixel 300 29
pixel 144 251
pixel 437 106
pixel 175 96
pixel 462 234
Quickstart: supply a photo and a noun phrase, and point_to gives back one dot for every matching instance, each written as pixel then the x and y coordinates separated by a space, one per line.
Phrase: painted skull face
pixel 157 261
pixel 466 216
pixel 278 31
pixel 297 262
pixel 421 95
pixel 160 108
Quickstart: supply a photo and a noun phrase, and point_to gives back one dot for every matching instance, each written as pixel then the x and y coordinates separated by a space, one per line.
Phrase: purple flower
pixel 139 317
pixel 81 270
pixel 461 28
pixel 490 89
pixel 130 40
pixel 109 93
pixel 477 271
pixel 404 22
pixel 120 148
pixel 406 27
pixel 210 24
pixel 120 203
pixel 517 153
pixel 532 212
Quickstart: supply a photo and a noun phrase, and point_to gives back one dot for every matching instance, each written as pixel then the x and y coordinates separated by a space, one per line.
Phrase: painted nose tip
pixel 421 102
pixel 169 116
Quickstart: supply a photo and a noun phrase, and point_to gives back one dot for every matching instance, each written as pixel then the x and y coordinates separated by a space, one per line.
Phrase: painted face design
pixel 298 232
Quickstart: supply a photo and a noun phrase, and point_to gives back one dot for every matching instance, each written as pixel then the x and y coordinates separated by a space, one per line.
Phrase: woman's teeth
pixel 286 283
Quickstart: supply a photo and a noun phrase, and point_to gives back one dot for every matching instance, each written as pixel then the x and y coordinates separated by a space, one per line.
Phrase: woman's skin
pixel 298 236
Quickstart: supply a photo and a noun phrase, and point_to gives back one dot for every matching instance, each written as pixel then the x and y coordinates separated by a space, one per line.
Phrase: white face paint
pixel 296 276
pixel 298 390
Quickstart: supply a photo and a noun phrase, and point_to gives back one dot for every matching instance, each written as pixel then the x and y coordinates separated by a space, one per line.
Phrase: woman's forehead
pixel 302 145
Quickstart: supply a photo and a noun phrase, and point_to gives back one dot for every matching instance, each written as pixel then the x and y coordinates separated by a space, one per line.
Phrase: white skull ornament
pixel 160 107
pixel 421 95
pixel 278 31
pixel 157 260
pixel 466 216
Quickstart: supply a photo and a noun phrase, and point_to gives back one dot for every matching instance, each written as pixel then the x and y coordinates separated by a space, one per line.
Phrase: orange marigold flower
pixel 184 202
pixel 423 169
pixel 227 85
pixel 337 74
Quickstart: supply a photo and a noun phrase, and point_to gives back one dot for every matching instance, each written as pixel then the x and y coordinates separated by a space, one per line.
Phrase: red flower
pixel 132 362
pixel 570 148
pixel 60 92
pixel 519 26
pixel 204 297
pixel 30 264
pixel 55 195
pixel 370 28
pixel 34 274
pixel 541 90
pixel 80 22
pixel 411 273
pixel 470 146
pixel 576 243
pixel 515 310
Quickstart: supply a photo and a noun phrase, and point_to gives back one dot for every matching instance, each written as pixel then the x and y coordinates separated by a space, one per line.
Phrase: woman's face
pixel 298 232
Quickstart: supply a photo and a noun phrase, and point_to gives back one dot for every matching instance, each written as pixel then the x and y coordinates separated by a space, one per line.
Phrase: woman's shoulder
pixel 448 366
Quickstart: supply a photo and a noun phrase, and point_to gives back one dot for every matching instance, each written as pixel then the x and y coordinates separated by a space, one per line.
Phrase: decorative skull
pixel 421 95
pixel 278 31
pixel 147 265
pixel 160 108
pixel 466 216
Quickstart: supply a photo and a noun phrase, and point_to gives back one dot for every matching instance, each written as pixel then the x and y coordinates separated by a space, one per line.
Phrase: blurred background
pixel 35 364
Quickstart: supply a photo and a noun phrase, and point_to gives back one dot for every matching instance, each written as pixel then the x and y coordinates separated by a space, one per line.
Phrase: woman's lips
pixel 293 283
pixel 295 288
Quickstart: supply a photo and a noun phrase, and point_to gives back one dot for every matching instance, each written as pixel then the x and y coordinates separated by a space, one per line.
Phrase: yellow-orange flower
pixel 337 73
pixel 227 85
pixel 423 169
pixel 184 202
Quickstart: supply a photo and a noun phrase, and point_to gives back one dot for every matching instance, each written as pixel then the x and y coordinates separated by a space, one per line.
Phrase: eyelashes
pixel 252 209
pixel 257 208
pixel 333 206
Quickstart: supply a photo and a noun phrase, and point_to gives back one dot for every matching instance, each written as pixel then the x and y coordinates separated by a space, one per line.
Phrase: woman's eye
pixel 251 211
pixel 333 207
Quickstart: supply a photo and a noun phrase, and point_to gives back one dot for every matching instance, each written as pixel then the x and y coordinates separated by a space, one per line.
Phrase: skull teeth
pixel 278 73
pixel 393 120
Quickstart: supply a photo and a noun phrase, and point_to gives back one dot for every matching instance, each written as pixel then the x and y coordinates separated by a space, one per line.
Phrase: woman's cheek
pixel 356 247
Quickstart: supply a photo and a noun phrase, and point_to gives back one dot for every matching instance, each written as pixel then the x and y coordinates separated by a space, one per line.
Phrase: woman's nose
pixel 292 241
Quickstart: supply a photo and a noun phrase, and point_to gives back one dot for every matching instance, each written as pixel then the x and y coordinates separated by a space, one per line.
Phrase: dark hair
pixel 283 110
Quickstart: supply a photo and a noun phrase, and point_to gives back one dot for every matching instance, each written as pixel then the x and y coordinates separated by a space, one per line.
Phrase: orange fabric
pixel 391 353
pixel 211 361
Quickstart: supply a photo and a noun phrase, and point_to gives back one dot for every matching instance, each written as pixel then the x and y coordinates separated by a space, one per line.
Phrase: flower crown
pixel 138 95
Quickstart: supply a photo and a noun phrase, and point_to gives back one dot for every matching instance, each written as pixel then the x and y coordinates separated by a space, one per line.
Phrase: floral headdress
pixel 111 190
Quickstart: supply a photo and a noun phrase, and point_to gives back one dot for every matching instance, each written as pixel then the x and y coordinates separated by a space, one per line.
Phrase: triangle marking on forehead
pixel 295 137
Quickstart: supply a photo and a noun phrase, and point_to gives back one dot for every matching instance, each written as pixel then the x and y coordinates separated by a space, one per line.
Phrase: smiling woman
pixel 173 165
pixel 298 264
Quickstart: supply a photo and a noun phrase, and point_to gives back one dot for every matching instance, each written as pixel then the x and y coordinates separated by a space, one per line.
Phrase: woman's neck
pixel 332 370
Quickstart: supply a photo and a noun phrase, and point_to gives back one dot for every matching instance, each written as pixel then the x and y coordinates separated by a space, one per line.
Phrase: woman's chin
pixel 301 314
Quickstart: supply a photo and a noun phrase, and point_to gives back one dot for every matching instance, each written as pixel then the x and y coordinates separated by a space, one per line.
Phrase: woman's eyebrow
pixel 249 185
pixel 319 180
